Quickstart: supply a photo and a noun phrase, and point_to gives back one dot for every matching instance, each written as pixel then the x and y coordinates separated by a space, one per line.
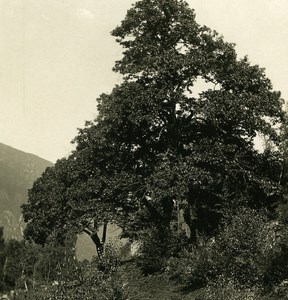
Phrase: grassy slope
pixel 138 287
pixel 156 287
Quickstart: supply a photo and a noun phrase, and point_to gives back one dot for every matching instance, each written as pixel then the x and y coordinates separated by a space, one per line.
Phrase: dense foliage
pixel 26 266
pixel 172 166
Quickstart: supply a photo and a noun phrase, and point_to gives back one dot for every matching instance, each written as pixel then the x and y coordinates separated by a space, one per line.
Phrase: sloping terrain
pixel 18 171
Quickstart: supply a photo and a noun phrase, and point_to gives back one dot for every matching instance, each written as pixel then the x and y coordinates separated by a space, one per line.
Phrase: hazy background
pixel 56 58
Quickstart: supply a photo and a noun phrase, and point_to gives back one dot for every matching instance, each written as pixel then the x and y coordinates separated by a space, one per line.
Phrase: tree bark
pixel 104 233
pixel 96 240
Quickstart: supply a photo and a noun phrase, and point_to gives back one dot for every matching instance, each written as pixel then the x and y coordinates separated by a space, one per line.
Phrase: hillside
pixel 18 170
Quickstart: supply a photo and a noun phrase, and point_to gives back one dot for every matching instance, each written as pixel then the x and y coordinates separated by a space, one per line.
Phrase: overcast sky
pixel 56 58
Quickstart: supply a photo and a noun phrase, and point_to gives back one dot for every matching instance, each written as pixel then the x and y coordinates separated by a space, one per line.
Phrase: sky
pixel 56 58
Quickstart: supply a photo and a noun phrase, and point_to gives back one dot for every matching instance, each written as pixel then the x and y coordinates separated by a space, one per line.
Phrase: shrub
pixel 194 267
pixel 153 251
pixel 157 246
pixel 252 249
pixel 245 246
pixel 280 291
pixel 249 250
pixel 223 289
pixel 84 281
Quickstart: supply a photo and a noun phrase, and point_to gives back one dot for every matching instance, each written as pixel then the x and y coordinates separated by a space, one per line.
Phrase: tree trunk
pixel 99 245
pixel 5 269
pixel 96 240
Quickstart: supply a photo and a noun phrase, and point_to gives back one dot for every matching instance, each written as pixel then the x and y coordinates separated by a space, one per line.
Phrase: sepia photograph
pixel 143 150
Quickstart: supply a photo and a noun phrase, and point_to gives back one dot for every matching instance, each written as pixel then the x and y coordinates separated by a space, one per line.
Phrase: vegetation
pixel 177 170
pixel 27 266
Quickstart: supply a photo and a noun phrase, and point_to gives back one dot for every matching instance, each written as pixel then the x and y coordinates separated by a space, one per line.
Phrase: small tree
pixel 62 203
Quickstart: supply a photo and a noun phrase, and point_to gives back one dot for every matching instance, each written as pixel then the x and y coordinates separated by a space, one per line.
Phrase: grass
pixel 156 287
pixel 135 286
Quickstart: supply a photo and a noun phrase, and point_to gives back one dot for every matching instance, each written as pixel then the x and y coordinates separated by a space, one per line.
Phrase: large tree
pixel 158 145
pixel 173 143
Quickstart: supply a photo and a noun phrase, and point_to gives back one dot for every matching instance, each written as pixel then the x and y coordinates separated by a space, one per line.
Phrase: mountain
pixel 18 171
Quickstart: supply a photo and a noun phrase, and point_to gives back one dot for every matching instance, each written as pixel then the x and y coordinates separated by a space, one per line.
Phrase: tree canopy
pixel 159 146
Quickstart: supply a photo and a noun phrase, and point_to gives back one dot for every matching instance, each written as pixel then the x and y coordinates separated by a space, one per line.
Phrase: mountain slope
pixel 18 171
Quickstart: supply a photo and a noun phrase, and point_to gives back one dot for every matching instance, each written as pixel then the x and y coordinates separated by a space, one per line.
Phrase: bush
pixel 88 281
pixel 249 250
pixel 194 267
pixel 153 251
pixel 84 281
pixel 157 246
pixel 245 247
pixel 223 289
pixel 280 290
pixel 252 249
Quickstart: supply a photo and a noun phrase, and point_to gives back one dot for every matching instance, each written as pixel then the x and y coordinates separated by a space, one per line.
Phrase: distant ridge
pixel 13 149
pixel 18 171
